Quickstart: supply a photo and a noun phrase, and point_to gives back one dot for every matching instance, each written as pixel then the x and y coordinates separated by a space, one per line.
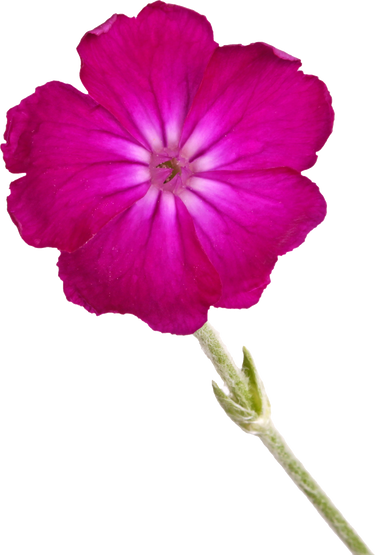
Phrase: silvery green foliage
pixel 240 391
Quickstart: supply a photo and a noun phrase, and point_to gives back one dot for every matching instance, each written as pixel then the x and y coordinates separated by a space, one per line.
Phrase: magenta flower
pixel 174 184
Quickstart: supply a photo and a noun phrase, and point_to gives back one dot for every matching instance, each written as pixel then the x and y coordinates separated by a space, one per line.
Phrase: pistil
pixel 169 171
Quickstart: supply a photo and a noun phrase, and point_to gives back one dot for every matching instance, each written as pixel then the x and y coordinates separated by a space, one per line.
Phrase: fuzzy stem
pixel 275 443
pixel 233 377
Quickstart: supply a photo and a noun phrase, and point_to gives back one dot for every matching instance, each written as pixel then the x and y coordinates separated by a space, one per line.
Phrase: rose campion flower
pixel 174 184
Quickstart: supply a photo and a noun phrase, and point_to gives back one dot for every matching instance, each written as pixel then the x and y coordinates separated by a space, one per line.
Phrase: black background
pixel 105 397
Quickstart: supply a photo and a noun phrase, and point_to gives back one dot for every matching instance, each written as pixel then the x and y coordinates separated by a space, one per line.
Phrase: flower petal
pixel 148 262
pixel 82 168
pixel 146 70
pixel 254 110
pixel 245 220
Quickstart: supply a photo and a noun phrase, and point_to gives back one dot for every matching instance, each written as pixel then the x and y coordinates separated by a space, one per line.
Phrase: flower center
pixel 175 167
pixel 169 171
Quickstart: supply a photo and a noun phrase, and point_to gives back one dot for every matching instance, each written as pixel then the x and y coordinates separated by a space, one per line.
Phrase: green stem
pixel 275 443
pixel 238 386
